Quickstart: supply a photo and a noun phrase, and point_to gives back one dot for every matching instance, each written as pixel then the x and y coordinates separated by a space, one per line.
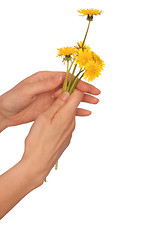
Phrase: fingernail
pixel 58 78
pixel 64 96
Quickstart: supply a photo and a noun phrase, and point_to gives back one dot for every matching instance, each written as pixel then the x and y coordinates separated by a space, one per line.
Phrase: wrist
pixel 34 175
pixel 3 123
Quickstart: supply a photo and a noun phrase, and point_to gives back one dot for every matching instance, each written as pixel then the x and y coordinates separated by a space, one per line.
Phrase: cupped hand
pixel 35 94
pixel 50 135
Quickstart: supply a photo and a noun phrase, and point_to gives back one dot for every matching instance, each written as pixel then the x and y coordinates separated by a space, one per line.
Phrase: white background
pixel 107 184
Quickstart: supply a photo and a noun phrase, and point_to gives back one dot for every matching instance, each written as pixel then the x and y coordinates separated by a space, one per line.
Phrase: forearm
pixel 15 184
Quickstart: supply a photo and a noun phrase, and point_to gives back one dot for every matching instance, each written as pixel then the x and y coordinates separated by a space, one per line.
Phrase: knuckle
pixel 68 119
pixel 73 125
pixel 70 138
pixel 68 143
pixel 25 90
pixel 40 75
pixel 60 102
pixel 26 140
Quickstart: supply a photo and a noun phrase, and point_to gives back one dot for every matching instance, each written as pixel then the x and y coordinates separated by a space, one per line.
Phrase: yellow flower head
pixel 92 70
pixel 97 59
pixel 85 47
pixel 82 57
pixel 66 52
pixel 89 13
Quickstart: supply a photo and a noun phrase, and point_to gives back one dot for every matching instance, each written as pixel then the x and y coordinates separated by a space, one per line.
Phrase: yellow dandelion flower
pixel 66 51
pixel 97 59
pixel 92 70
pixel 89 13
pixel 82 57
pixel 85 47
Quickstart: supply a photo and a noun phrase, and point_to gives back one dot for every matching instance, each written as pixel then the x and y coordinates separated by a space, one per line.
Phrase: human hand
pixel 35 94
pixel 50 135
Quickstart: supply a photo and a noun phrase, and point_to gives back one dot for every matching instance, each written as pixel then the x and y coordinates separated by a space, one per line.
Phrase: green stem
pixel 65 81
pixel 56 166
pixel 86 33
pixel 70 81
pixel 64 88
pixel 75 82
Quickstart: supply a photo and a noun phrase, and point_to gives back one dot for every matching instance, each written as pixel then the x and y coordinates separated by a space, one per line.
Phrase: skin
pixel 32 96
pixel 50 134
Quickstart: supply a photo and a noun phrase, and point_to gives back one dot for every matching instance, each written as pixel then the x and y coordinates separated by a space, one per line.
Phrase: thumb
pixel 60 101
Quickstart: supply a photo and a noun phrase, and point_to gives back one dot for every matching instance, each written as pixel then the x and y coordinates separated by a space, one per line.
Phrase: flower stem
pixel 70 81
pixel 86 33
pixel 56 166
pixel 64 88
pixel 65 81
pixel 75 82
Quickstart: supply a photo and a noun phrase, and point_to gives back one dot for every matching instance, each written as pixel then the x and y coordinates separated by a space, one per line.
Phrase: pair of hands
pixel 38 98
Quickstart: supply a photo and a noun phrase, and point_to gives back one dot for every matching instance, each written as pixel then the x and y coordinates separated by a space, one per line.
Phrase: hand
pixel 48 138
pixel 50 135
pixel 32 96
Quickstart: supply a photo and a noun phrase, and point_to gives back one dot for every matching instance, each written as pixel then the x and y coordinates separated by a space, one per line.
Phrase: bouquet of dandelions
pixel 89 64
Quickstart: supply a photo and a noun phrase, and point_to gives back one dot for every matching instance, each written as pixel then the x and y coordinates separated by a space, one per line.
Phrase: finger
pixel 82 112
pixel 52 82
pixel 90 99
pixel 87 98
pixel 88 88
pixel 60 101
pixel 84 87
pixel 42 76
pixel 73 102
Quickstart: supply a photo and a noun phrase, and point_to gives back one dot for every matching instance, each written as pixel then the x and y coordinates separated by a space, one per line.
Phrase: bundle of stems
pixel 70 84
pixel 90 66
